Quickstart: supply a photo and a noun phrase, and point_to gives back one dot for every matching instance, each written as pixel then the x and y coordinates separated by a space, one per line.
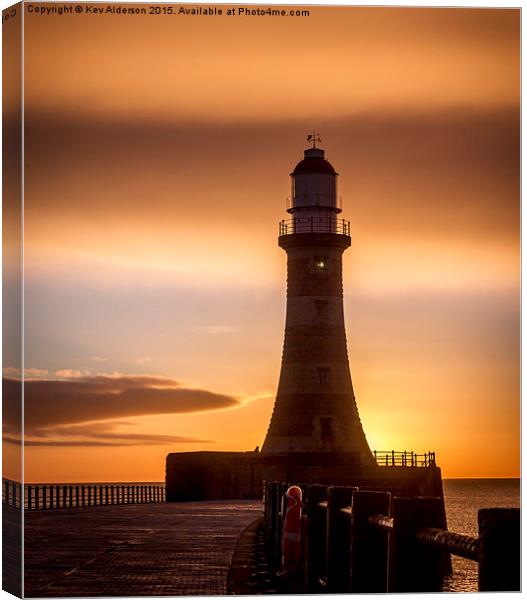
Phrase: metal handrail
pixel 38 496
pixel 326 224
pixel 391 458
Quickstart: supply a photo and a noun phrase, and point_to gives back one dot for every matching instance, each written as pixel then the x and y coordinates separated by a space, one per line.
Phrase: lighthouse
pixel 315 435
pixel 315 411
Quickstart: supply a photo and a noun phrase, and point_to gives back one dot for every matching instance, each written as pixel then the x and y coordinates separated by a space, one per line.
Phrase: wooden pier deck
pixel 134 550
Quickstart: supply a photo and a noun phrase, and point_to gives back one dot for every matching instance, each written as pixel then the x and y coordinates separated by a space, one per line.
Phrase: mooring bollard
pixel 499 560
pixel 415 567
pixel 338 538
pixel 316 537
pixel 369 545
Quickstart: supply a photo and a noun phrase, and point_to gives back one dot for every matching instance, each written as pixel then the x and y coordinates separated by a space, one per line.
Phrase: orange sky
pixel 157 160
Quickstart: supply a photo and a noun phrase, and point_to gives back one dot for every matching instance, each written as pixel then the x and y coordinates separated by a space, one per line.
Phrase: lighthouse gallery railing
pixel 326 224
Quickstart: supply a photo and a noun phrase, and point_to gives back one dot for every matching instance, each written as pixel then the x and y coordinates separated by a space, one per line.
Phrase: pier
pixel 362 541
pixel 151 549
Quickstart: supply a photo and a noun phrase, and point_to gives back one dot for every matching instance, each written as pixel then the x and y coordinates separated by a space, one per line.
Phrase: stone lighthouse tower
pixel 315 412
pixel 315 434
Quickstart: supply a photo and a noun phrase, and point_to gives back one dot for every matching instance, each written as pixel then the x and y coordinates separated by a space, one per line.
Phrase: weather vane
pixel 314 138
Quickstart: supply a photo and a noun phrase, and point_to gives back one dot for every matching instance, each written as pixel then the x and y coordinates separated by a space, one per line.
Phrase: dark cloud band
pixel 56 408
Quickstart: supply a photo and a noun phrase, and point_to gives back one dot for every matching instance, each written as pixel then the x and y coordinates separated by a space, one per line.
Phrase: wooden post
pixel 316 537
pixel 499 561
pixel 338 538
pixel 37 499
pixel 413 566
pixel 272 510
pixel 369 546
pixel 279 516
pixel 29 498
pixel 269 491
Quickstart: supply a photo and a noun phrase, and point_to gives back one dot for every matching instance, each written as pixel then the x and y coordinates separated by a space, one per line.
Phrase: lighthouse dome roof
pixel 314 161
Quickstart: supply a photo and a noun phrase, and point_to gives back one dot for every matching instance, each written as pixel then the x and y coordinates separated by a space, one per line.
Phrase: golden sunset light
pixel 158 158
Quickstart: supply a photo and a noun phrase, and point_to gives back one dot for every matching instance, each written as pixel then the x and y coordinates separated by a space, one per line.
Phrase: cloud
pixel 99 434
pixel 71 373
pixel 98 359
pixel 53 402
pixel 75 411
pixel 30 372
pixel 142 359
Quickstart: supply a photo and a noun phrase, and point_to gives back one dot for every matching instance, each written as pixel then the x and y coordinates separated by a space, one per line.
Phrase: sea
pixel 463 499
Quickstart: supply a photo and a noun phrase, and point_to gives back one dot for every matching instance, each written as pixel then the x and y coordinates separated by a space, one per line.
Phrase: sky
pixel 158 151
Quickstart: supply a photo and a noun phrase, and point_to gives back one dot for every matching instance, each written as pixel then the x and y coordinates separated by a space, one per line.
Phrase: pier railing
pixel 394 458
pixel 362 541
pixel 78 495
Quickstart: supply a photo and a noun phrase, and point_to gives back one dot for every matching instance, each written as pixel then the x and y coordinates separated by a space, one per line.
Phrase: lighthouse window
pixel 321 263
pixel 322 308
pixel 323 376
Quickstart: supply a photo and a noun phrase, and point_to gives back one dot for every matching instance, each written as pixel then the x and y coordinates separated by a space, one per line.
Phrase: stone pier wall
pixel 240 475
